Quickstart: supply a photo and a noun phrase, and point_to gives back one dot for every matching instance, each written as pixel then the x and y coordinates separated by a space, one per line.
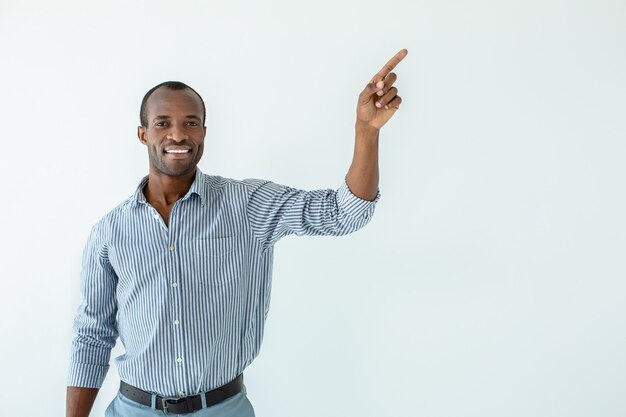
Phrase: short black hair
pixel 171 85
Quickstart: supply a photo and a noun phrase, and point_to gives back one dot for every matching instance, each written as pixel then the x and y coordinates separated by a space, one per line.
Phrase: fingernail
pixel 380 84
pixel 378 104
pixel 380 92
pixel 386 106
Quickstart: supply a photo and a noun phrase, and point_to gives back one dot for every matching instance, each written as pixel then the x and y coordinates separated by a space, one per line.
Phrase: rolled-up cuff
pixel 86 375
pixel 351 204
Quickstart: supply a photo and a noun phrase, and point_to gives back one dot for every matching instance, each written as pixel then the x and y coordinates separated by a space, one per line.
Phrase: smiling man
pixel 181 270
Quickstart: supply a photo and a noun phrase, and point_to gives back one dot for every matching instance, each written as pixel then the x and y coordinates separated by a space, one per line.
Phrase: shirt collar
pixel 199 186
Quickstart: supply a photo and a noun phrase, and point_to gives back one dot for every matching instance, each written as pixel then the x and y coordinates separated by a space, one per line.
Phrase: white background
pixel 491 279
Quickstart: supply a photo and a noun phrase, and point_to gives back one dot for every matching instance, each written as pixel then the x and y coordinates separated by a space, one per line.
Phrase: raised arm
pixel 275 210
pixel 377 104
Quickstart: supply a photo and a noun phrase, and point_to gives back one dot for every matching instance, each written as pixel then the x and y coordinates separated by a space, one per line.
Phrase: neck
pixel 165 190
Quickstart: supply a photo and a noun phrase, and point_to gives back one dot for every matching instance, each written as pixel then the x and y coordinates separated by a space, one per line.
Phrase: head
pixel 172 119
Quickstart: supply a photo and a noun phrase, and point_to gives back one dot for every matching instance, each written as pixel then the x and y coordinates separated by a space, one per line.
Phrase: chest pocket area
pixel 216 260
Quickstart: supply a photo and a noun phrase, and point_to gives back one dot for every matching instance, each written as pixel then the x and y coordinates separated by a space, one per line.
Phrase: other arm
pixel 95 327
pixel 79 401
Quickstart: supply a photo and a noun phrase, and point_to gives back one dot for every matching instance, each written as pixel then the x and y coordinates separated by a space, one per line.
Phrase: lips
pixel 177 149
pixel 178 152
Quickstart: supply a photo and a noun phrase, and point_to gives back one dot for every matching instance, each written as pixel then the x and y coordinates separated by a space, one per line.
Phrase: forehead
pixel 164 101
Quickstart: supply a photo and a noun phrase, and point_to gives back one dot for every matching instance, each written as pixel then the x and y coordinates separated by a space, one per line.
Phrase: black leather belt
pixel 183 405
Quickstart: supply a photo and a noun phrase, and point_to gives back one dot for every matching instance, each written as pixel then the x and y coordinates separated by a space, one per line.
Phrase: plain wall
pixel 490 281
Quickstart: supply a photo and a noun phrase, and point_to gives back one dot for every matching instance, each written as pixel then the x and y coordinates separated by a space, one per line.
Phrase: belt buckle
pixel 174 400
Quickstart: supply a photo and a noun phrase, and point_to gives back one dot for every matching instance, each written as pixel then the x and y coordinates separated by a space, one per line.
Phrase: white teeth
pixel 178 151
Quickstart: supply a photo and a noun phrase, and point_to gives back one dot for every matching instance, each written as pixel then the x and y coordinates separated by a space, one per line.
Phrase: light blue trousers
pixel 235 406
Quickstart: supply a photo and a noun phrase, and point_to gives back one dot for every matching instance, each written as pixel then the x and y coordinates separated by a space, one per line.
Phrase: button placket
pixel 177 293
pixel 157 216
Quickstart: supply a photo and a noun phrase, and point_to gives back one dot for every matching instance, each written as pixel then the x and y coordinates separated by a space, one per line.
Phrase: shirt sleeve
pixel 95 322
pixel 275 211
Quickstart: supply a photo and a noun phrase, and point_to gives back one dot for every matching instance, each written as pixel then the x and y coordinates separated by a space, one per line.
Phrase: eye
pixel 161 124
pixel 192 123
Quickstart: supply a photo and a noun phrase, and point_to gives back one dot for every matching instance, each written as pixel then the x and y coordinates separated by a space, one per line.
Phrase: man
pixel 181 270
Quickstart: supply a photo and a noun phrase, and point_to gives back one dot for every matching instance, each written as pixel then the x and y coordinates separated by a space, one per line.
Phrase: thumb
pixel 366 95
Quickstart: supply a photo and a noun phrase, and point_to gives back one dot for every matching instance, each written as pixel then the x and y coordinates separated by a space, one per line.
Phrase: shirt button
pixel 174 284
pixel 156 216
pixel 179 360
pixel 176 322
pixel 172 248
pixel 181 393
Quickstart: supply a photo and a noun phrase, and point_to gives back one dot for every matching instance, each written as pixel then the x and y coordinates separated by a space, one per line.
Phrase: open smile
pixel 178 152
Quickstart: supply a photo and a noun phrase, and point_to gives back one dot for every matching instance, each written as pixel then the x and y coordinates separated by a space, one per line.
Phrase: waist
pixel 186 404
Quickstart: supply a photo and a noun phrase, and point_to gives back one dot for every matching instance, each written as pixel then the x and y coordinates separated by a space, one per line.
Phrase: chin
pixel 180 172
pixel 174 171
pixel 173 168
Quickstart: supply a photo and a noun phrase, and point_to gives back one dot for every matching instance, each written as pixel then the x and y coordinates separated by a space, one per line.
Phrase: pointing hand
pixel 380 100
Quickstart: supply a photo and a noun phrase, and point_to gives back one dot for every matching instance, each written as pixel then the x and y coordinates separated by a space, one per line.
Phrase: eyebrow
pixel 189 116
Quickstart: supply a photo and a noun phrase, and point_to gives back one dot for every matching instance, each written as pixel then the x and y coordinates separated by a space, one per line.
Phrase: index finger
pixel 391 64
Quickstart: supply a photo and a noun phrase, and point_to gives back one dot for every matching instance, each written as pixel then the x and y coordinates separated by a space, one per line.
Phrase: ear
pixel 142 134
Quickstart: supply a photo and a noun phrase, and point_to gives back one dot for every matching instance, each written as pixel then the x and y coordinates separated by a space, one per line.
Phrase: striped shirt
pixel 189 300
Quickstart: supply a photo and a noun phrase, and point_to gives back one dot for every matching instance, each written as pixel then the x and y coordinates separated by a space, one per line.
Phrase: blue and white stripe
pixel 189 301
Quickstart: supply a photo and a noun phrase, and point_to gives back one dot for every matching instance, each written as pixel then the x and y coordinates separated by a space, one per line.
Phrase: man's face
pixel 174 135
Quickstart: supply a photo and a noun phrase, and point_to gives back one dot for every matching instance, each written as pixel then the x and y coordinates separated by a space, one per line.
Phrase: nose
pixel 176 134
